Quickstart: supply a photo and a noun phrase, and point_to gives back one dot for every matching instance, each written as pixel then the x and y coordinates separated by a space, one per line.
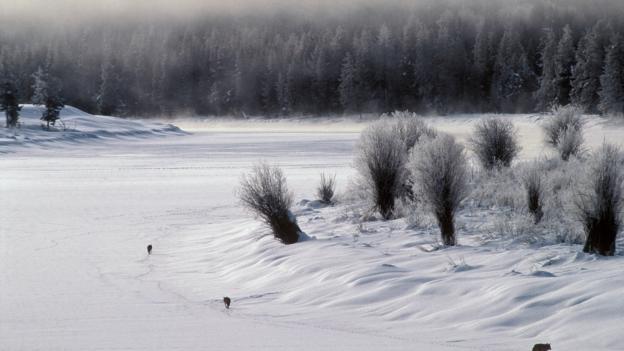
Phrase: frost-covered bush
pixel 264 192
pixel 505 193
pixel 415 213
pixel 326 188
pixel 532 182
pixel 564 131
pixel 599 203
pixel 494 142
pixel 571 143
pixel 381 158
pixel 440 172
pixel 410 128
pixel 500 189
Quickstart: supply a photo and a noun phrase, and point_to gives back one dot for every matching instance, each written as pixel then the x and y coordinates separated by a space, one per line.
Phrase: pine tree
pixel 158 86
pixel 53 107
pixel 215 98
pixel 40 86
pixel 9 104
pixel 320 80
pixel 109 99
pixel 451 63
pixel 589 65
pixel 564 63
pixel 284 91
pixel 385 65
pixel 612 80
pixel 267 92
pixel 546 95
pixel 424 69
pixel 482 65
pixel 512 79
pixel 348 85
pixel 405 67
pixel 364 65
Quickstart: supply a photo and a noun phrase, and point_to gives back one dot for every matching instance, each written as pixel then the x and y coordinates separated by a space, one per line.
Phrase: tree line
pixel 430 56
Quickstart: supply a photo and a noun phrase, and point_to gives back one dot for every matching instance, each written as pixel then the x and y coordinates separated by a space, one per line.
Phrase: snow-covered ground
pixel 74 273
pixel 75 126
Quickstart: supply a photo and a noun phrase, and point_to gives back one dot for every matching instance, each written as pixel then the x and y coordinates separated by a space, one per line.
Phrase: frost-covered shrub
pixel 494 142
pixel 564 131
pixel 440 173
pixel 326 188
pixel 599 203
pixel 414 212
pixel 505 193
pixel 410 128
pixel 500 189
pixel 571 143
pixel 532 182
pixel 381 158
pixel 264 192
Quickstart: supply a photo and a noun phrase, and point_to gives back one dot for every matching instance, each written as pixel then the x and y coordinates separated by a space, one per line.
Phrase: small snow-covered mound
pixel 76 125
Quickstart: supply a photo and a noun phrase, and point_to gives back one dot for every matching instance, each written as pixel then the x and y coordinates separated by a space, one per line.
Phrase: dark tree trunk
pixel 285 230
pixel 535 206
pixel 447 228
pixel 601 236
pixel 385 193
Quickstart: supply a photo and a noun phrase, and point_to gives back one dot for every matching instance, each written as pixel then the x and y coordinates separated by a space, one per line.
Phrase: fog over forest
pixel 270 58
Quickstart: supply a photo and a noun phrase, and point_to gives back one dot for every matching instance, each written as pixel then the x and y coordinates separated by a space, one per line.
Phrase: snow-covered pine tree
pixel 512 79
pixel 405 74
pixel 546 95
pixel 348 85
pixel 109 99
pixel 284 91
pixel 53 107
pixel 386 65
pixel 215 98
pixel 564 63
pixel 9 104
pixel 589 65
pixel 320 82
pixel 364 64
pixel 482 64
pixel 451 61
pixel 612 80
pixel 267 88
pixel 40 86
pixel 425 68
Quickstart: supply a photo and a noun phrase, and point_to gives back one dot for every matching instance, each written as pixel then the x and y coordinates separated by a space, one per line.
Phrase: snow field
pixel 75 126
pixel 76 220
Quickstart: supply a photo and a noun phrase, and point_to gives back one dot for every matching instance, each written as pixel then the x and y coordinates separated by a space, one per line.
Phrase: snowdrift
pixel 76 126
pixel 381 276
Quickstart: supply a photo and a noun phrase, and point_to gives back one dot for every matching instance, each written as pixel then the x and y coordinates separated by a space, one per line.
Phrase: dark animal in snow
pixel 541 347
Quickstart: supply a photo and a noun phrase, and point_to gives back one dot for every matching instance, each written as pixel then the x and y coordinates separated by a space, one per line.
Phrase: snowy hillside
pixel 75 126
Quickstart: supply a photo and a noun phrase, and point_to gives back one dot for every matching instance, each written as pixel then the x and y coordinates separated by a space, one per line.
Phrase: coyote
pixel 541 347
pixel 226 301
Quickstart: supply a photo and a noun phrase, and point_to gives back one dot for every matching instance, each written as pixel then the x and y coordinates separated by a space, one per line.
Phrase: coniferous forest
pixel 432 56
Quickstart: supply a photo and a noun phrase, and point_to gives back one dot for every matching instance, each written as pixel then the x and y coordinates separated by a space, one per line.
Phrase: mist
pixel 78 10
